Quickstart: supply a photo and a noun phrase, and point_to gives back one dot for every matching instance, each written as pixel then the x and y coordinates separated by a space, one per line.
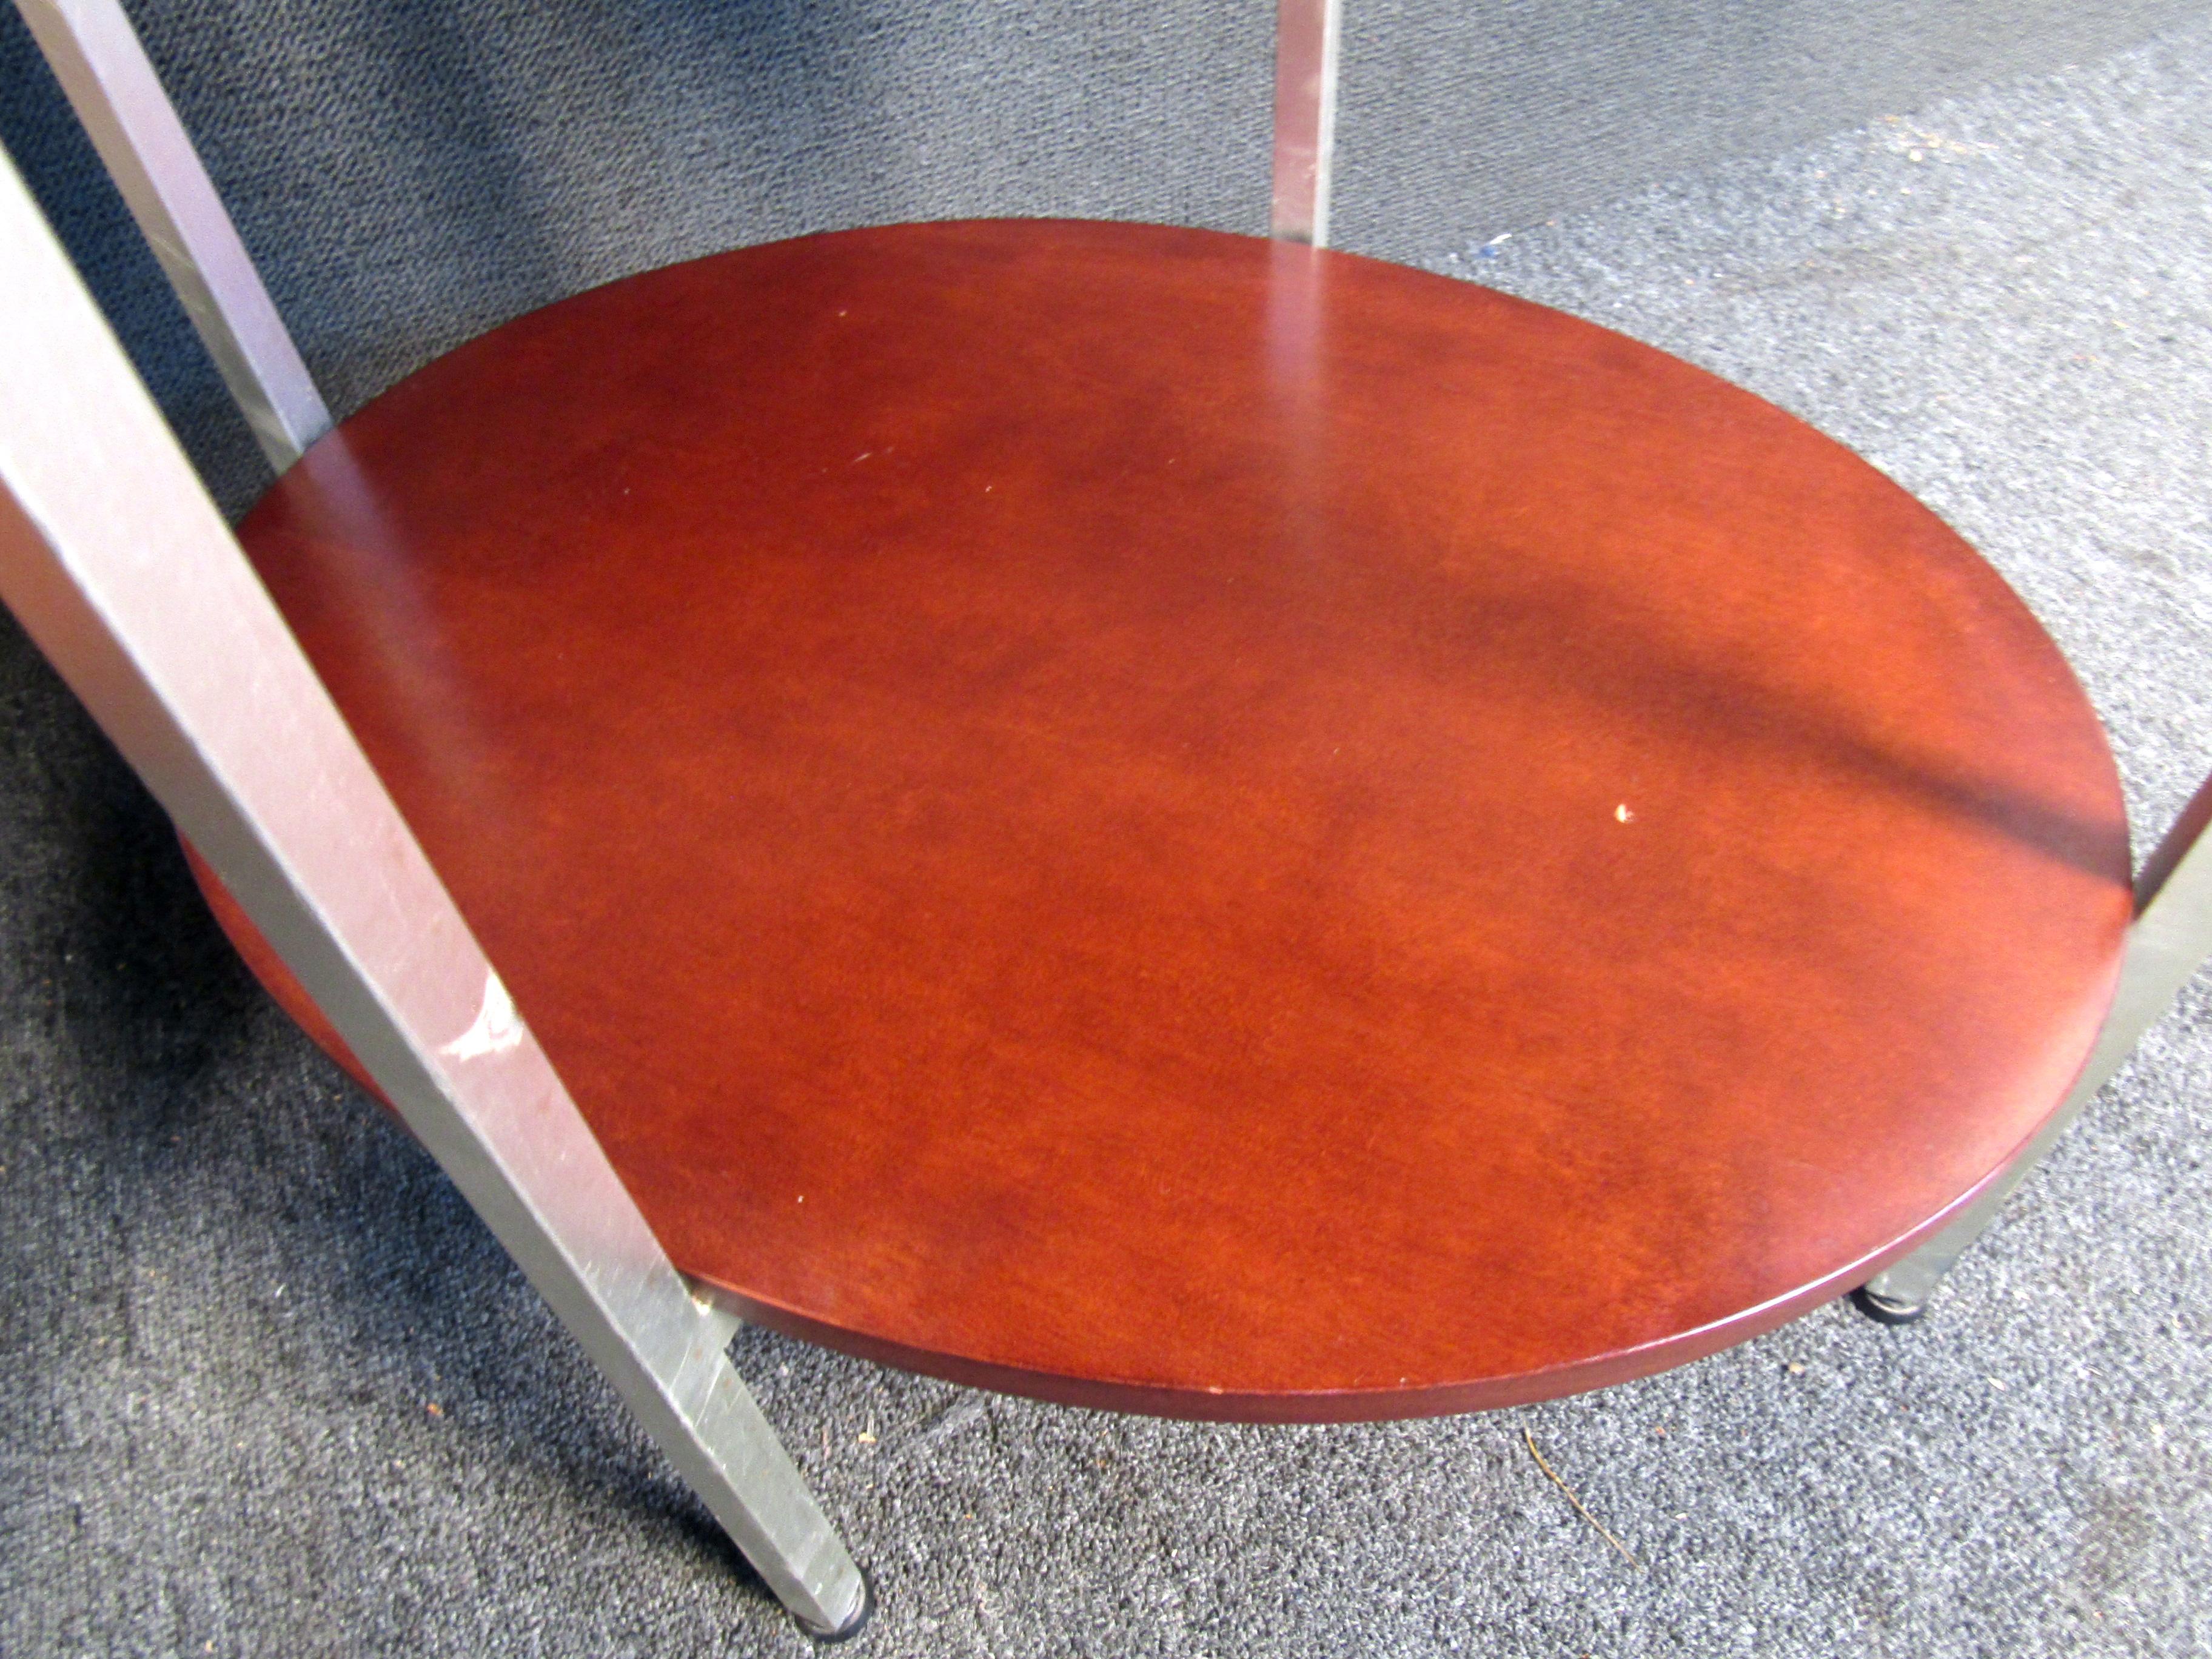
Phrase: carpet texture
pixel 269 1387
pixel 408 173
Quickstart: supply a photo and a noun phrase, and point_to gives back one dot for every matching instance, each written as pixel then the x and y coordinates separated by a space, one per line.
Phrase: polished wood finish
pixel 1181 824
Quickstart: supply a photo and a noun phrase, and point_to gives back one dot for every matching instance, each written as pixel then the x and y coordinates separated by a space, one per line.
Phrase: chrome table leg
pixel 96 55
pixel 120 570
pixel 1306 37
pixel 2171 937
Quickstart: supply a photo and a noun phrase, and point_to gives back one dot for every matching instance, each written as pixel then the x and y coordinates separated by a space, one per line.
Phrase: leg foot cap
pixel 1880 1308
pixel 854 1625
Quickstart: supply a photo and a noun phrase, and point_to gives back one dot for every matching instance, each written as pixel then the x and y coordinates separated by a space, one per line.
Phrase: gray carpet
pixel 269 1387
pixel 408 173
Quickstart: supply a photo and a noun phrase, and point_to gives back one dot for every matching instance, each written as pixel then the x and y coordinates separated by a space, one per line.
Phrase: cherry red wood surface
pixel 1163 821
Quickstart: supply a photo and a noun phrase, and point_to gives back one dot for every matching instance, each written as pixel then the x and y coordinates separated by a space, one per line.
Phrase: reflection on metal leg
pixel 119 568
pixel 2171 937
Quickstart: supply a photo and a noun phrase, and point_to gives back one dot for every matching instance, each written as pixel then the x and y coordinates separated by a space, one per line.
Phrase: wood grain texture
pixel 1179 823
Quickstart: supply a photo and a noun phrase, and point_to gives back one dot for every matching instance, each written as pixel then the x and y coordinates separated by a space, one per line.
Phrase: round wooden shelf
pixel 1174 823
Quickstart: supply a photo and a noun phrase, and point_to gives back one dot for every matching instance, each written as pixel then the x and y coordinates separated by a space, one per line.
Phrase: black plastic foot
pixel 1880 1308
pixel 857 1623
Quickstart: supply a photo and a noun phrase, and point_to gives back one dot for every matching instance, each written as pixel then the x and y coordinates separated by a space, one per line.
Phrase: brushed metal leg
pixel 96 55
pixel 119 568
pixel 2171 937
pixel 1306 36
